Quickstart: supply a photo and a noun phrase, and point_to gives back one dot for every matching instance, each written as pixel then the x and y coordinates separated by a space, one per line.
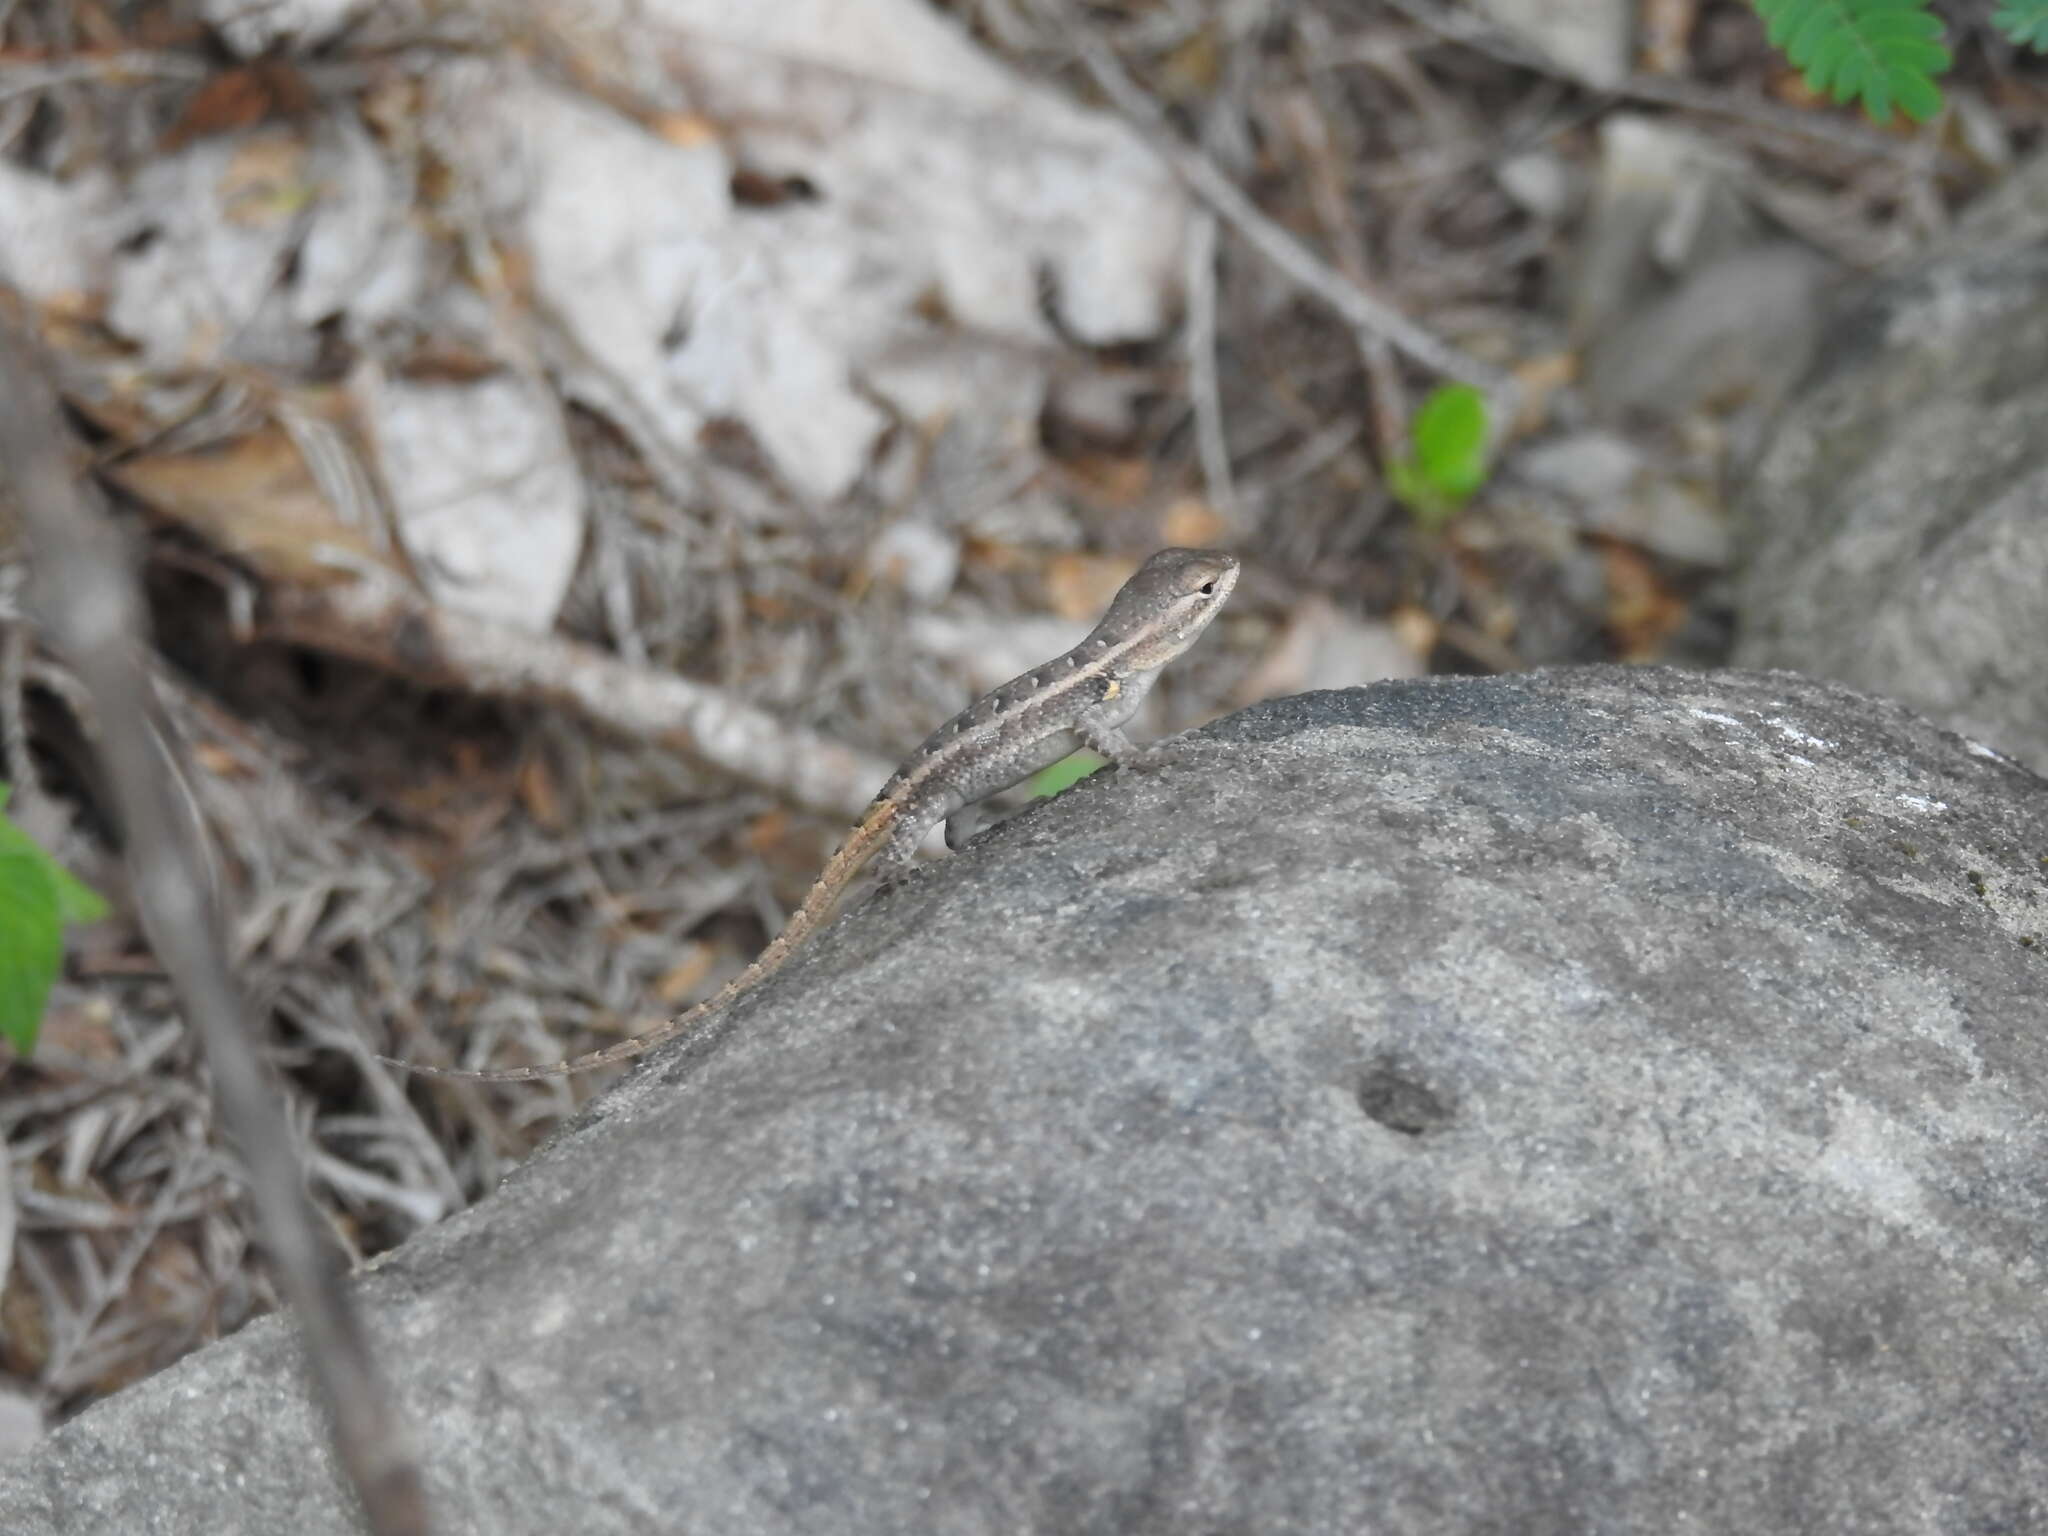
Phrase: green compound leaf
pixel 1883 53
pixel 2024 21
pixel 31 945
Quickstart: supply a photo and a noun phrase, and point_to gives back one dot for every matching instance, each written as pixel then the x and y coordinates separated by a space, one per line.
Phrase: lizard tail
pixel 818 904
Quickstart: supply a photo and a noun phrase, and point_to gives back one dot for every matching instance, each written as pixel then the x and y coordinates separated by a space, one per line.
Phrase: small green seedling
pixel 37 898
pixel 1446 460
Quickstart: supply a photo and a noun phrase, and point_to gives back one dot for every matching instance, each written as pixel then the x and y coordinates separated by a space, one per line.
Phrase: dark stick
pixel 86 596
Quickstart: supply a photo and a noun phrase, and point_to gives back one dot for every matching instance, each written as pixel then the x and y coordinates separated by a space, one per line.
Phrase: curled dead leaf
pixel 255 501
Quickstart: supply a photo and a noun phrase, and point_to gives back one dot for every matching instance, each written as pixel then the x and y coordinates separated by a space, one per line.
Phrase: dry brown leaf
pixel 447 360
pixel 1191 521
pixel 1541 378
pixel 218 761
pixel 767 831
pixel 24 1332
pixel 265 184
pixel 241 98
pixel 681 980
pixel 1416 626
pixel 543 801
pixel 1642 611
pixel 1665 29
pixel 1191 70
pixel 685 130
pixel 985 555
pixel 1110 481
pixel 1790 87
pixel 390 106
pixel 256 501
pixel 1079 587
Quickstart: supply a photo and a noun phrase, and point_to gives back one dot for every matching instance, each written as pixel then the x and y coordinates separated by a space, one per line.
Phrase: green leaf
pixel 31 945
pixel 1447 458
pixel 1883 53
pixel 1425 503
pixel 1450 440
pixel 77 902
pixel 37 898
pixel 1918 99
pixel 2024 21
pixel 1067 772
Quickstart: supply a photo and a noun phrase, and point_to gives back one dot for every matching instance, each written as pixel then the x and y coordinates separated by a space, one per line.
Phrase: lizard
pixel 1082 698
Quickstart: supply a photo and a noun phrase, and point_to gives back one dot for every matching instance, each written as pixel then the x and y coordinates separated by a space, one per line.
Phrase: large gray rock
pixel 1612 1101
pixel 1898 525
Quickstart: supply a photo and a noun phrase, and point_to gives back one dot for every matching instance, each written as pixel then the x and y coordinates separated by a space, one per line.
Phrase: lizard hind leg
pixel 898 853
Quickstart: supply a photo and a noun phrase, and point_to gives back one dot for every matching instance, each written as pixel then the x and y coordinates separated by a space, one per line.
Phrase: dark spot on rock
pixel 1400 1103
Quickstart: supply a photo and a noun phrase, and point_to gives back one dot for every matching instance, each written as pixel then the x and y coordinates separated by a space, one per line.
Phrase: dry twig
pixel 379 619
pixel 1203 387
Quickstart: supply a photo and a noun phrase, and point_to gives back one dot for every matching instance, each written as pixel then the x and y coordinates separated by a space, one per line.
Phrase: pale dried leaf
pixel 928 179
pixel 486 493
pixel 53 234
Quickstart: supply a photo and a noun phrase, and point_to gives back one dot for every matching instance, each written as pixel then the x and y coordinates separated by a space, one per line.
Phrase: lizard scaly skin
pixel 1083 698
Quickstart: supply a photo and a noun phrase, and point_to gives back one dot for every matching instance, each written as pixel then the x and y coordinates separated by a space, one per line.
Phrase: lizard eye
pixel 1208 587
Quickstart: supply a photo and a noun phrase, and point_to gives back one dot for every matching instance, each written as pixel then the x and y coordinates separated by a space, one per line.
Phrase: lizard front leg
pixel 1111 742
pixel 961 825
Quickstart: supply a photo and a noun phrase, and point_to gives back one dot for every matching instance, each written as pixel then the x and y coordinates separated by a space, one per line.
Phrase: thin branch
pixel 1814 126
pixel 1203 388
pixel 6 1214
pixel 378 619
pixel 90 607
pixel 15 761
pixel 1307 116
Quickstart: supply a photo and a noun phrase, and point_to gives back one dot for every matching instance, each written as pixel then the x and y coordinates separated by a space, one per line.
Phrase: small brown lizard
pixel 1083 698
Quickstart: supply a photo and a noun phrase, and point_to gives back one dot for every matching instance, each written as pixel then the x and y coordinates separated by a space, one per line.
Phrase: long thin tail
pixel 818 903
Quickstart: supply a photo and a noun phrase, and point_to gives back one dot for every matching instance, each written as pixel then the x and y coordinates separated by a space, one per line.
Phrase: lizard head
pixel 1169 601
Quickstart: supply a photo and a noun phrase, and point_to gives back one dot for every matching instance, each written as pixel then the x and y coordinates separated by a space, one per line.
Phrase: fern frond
pixel 2024 21
pixel 1884 53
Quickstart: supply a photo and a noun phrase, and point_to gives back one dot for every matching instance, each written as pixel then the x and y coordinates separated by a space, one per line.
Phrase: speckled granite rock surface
pixel 1601 1102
